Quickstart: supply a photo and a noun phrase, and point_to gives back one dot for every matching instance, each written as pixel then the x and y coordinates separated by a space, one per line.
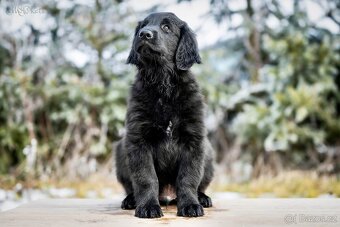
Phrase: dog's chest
pixel 164 112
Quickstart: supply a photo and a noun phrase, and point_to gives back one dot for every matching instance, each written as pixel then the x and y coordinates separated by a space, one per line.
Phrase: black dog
pixel 165 142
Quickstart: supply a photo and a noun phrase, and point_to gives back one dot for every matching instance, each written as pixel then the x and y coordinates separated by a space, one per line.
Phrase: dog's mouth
pixel 147 49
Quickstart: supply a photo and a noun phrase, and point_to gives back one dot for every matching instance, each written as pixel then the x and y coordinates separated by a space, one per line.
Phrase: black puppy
pixel 165 142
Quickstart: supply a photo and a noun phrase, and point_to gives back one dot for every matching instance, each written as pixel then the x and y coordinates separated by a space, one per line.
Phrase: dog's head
pixel 163 37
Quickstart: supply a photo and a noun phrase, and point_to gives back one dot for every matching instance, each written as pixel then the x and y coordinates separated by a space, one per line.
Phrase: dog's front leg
pixel 188 179
pixel 145 182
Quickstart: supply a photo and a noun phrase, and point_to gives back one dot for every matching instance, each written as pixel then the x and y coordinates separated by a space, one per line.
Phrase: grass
pixel 288 184
pixel 96 183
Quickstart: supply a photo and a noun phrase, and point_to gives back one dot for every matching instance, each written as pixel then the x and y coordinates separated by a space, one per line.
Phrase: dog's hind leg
pixel 123 176
pixel 203 199
pixel 129 203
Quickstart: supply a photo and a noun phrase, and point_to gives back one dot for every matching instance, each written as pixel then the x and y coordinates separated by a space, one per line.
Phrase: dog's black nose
pixel 146 34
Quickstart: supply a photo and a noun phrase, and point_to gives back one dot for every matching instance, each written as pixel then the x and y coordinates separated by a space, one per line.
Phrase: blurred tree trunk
pixel 252 43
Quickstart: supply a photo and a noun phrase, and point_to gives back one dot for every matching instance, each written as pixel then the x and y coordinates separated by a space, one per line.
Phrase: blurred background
pixel 270 78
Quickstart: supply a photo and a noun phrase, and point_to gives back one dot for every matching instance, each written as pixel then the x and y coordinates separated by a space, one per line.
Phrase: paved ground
pixel 235 212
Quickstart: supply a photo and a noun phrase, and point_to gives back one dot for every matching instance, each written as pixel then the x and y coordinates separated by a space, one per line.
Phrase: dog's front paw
pixel 204 200
pixel 129 202
pixel 149 211
pixel 192 210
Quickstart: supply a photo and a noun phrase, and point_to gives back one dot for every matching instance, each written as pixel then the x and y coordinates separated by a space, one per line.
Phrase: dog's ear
pixel 187 50
pixel 133 58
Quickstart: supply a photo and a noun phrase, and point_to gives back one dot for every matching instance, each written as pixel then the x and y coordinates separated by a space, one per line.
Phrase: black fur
pixel 165 142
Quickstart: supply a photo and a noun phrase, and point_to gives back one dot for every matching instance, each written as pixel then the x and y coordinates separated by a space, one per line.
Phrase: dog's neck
pixel 161 79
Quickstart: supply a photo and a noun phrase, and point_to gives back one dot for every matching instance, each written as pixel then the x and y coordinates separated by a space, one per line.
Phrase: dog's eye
pixel 166 28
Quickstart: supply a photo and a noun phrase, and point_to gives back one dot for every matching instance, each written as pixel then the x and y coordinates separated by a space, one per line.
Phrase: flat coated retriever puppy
pixel 165 143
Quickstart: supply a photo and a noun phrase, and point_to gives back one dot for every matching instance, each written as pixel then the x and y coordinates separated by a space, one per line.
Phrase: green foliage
pixel 74 108
pixel 13 133
pixel 64 83
pixel 299 109
pixel 283 95
pixel 299 113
